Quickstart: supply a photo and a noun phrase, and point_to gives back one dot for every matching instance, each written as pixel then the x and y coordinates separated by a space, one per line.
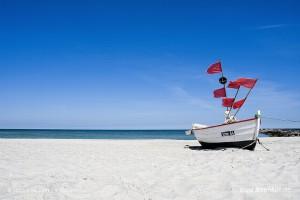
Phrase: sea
pixel 95 134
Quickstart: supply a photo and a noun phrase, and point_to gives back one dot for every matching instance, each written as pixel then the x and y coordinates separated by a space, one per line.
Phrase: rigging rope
pixel 259 142
pixel 278 119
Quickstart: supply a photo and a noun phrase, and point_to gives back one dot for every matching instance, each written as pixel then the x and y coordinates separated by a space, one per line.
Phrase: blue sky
pixel 141 64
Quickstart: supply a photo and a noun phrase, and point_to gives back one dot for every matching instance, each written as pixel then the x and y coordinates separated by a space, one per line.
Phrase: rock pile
pixel 280 132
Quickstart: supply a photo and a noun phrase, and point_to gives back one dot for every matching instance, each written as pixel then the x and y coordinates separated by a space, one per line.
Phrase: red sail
pixel 220 93
pixel 247 82
pixel 227 102
pixel 238 103
pixel 234 84
pixel 214 68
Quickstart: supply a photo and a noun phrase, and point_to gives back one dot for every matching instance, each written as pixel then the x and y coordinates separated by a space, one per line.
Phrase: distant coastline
pixel 281 132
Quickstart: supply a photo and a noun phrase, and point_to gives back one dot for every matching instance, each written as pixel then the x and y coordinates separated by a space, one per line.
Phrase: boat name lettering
pixel 227 133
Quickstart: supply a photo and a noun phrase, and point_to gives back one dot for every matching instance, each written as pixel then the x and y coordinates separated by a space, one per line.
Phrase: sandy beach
pixel 147 169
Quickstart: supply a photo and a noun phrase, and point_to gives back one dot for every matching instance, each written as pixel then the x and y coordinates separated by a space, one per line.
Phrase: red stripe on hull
pixel 225 124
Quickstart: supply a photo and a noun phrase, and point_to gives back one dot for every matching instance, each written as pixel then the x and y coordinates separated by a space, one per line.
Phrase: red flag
pixel 234 84
pixel 220 93
pixel 247 82
pixel 227 102
pixel 214 68
pixel 238 103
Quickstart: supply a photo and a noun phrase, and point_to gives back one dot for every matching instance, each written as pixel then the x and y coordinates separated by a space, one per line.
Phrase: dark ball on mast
pixel 223 80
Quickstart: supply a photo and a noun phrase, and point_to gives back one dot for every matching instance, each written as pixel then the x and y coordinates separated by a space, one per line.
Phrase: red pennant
pixel 220 93
pixel 234 84
pixel 238 104
pixel 227 102
pixel 247 82
pixel 214 68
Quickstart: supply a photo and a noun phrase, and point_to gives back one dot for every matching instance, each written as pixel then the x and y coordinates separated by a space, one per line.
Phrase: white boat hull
pixel 237 134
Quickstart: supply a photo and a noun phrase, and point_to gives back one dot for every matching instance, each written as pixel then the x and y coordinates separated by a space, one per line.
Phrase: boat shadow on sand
pixel 249 147
pixel 201 148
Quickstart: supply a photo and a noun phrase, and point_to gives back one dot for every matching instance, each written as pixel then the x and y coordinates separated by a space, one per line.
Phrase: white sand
pixel 146 169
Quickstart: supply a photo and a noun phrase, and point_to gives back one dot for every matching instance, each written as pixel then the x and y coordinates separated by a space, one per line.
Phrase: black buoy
pixel 223 80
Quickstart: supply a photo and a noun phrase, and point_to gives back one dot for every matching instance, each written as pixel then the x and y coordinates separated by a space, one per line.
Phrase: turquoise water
pixel 95 134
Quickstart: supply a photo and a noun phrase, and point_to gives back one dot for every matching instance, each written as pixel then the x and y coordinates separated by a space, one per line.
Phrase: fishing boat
pixel 233 132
